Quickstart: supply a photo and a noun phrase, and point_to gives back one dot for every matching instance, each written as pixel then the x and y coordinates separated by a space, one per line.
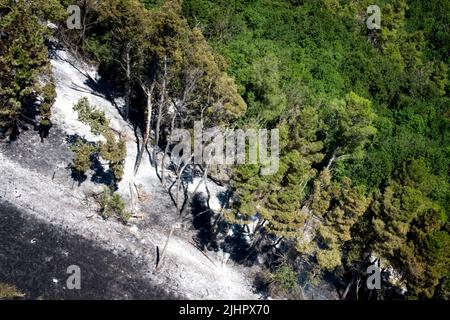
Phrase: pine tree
pixel 278 197
pixel 114 151
pixel 411 230
pixel 349 126
pixel 83 152
pixel 216 95
pixel 112 205
pixel 128 25
pixel 338 205
pixel 23 59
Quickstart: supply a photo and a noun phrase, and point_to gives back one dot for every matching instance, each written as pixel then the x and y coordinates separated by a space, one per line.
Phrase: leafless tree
pixel 148 90
pixel 161 104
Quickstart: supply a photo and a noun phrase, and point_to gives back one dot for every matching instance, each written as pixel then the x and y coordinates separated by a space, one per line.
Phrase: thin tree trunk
pixel 358 286
pixel 334 158
pixel 277 242
pixel 177 203
pixel 148 124
pixel 177 195
pixel 166 150
pixel 208 193
pixel 202 180
pixel 302 293
pixel 160 108
pixel 83 29
pixel 344 295
pixel 128 82
pixel 133 202
pixel 330 162
pixel 163 252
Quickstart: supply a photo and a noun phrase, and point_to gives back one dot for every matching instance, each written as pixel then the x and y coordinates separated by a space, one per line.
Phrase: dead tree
pixel 127 68
pixel 181 203
pixel 148 123
pixel 166 149
pixel 182 165
pixel 160 109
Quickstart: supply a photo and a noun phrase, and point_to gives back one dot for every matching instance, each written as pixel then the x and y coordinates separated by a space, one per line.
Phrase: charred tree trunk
pixel 178 213
pixel 163 252
pixel 347 289
pixel 166 149
pixel 160 108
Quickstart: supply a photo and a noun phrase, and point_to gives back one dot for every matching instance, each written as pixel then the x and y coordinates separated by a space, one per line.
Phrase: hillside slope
pixel 37 181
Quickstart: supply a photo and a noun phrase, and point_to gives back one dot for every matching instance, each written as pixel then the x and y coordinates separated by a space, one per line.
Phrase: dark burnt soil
pixel 53 154
pixel 34 256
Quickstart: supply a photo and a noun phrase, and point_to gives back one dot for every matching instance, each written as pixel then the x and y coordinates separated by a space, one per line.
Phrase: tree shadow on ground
pixel 202 220
pixel 99 176
pixel 214 233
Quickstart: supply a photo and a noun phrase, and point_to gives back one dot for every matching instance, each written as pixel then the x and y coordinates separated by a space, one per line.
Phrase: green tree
pixel 338 206
pixel 128 27
pixel 112 205
pixel 267 100
pixel 83 152
pixel 278 197
pixel 23 61
pixel 349 127
pixel 411 231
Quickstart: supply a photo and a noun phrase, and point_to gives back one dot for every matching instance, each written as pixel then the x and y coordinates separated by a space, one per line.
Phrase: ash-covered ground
pixel 34 256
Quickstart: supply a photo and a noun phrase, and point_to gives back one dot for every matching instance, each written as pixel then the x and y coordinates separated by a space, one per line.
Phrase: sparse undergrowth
pixel 282 283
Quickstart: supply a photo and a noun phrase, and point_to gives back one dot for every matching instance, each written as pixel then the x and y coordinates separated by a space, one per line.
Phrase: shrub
pixel 96 119
pixel 112 205
pixel 83 151
pixel 283 283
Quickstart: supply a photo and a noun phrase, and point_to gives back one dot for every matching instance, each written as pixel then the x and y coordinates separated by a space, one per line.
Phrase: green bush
pixel 96 119
pixel 83 151
pixel 112 205
pixel 283 283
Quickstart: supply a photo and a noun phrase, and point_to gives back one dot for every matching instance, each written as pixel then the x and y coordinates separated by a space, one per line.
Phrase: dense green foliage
pixel 363 114
pixel 155 50
pixel 364 120
pixel 283 283
pixel 24 67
